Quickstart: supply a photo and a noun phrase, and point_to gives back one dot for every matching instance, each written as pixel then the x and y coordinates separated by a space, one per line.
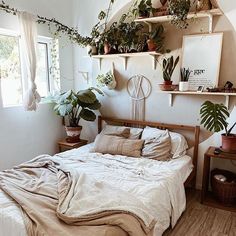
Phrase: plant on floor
pixel 168 67
pixel 75 106
pixel 214 118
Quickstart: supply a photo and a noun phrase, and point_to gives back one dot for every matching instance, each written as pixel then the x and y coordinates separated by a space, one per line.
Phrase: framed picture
pixel 200 89
pixel 201 53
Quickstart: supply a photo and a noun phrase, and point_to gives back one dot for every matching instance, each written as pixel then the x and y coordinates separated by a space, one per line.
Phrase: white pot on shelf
pixel 183 86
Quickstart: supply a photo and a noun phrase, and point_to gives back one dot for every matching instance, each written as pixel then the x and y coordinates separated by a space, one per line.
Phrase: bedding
pixel 179 144
pixel 158 185
pixel 133 133
pixel 117 145
pixel 158 148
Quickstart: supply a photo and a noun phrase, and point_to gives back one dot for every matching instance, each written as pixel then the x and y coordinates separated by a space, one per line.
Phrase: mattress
pixel 11 215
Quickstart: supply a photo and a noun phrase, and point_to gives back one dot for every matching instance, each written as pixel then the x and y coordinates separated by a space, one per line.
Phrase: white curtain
pixel 28 31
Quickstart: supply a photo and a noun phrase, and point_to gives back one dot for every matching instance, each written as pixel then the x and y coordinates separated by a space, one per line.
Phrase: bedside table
pixel 207 197
pixel 64 145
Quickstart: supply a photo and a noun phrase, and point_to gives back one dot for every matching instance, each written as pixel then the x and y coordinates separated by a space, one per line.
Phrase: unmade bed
pixel 150 190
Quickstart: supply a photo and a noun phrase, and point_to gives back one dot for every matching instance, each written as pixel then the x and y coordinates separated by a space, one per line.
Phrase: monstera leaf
pixel 214 116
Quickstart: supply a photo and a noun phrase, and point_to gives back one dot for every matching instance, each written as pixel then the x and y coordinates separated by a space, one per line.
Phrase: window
pixel 12 67
pixel 10 70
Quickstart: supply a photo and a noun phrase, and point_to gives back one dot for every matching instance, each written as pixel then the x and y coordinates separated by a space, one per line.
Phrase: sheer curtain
pixel 28 30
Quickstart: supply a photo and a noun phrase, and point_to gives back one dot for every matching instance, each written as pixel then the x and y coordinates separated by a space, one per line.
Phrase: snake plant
pixel 168 67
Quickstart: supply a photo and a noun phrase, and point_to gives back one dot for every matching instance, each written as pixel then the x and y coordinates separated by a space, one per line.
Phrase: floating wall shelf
pixel 172 93
pixel 202 14
pixel 126 56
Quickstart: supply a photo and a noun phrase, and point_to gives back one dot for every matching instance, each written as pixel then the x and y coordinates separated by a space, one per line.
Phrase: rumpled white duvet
pixel 158 185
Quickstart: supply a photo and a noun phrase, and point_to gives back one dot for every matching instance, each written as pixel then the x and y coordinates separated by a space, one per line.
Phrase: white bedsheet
pixel 11 220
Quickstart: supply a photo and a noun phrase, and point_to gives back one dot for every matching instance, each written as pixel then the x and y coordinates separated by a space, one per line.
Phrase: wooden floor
pixel 201 220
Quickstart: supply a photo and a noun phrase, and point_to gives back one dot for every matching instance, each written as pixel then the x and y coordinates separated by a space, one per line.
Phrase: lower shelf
pixel 211 201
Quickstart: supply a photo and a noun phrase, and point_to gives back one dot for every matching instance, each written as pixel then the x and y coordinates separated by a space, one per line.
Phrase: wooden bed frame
pixel 194 130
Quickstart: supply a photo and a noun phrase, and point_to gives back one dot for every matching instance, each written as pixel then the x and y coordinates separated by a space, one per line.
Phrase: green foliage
pixel 143 8
pixel 168 67
pixel 213 117
pixel 105 79
pixel 77 105
pixel 185 74
pixel 179 10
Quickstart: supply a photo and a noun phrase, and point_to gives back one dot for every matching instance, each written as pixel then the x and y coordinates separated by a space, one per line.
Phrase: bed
pixel 157 185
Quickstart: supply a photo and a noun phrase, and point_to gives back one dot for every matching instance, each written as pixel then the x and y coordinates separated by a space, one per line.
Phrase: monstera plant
pixel 214 118
pixel 76 106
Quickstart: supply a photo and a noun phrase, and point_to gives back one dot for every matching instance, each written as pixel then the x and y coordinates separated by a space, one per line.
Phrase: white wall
pixel 118 104
pixel 23 135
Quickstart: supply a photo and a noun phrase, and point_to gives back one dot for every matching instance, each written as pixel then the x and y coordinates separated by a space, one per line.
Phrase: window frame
pixel 23 68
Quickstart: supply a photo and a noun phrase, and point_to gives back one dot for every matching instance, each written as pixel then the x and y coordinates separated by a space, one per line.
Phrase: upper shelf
pixel 200 14
pixel 128 55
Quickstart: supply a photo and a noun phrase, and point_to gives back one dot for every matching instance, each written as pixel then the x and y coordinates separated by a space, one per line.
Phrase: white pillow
pixel 135 133
pixel 179 144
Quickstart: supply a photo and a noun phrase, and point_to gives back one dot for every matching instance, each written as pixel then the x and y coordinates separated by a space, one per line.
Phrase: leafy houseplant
pixel 76 106
pixel 144 8
pixel 155 39
pixel 185 74
pixel 213 118
pixel 168 67
pixel 179 9
pixel 107 79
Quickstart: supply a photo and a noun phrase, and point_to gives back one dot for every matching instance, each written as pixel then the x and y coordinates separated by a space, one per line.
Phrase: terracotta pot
pixel 92 50
pixel 229 143
pixel 107 48
pixel 73 134
pixel 151 45
pixel 167 82
pixel 214 3
pixel 203 5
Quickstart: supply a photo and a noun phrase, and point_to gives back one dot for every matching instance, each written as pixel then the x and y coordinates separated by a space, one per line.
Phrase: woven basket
pixel 225 192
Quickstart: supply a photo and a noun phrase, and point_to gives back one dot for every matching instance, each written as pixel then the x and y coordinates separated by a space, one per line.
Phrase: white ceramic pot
pixel 183 86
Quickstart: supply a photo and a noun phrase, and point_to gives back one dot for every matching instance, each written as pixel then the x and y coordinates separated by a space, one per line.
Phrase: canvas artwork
pixel 202 55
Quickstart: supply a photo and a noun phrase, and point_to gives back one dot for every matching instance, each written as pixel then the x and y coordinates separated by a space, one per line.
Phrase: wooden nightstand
pixel 64 145
pixel 207 197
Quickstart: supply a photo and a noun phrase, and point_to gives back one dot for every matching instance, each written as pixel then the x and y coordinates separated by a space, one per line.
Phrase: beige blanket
pixel 59 200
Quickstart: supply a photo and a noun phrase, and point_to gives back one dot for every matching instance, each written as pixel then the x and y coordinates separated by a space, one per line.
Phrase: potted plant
pixel 179 9
pixel 214 118
pixel 107 80
pixel 155 39
pixel 183 84
pixel 168 67
pixel 143 8
pixel 75 106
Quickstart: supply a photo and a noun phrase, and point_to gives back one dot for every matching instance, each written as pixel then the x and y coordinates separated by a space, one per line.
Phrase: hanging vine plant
pixel 57 27
pixel 179 9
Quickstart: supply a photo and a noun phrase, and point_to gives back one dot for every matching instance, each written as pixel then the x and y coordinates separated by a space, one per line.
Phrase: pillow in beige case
pixel 134 133
pixel 116 131
pixel 158 148
pixel 115 145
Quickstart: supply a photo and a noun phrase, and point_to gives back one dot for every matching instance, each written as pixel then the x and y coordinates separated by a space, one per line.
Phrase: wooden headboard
pixel 194 130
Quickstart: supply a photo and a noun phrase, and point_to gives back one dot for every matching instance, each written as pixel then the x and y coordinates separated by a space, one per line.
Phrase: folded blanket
pixel 61 200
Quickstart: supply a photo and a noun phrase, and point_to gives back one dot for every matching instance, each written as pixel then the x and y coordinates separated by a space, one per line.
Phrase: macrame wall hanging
pixel 139 88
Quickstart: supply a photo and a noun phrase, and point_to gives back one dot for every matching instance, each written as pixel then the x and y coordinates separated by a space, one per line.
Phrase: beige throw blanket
pixel 59 200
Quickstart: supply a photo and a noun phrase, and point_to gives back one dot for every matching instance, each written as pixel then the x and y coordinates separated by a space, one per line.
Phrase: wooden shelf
pixel 201 14
pixel 126 56
pixel 172 93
